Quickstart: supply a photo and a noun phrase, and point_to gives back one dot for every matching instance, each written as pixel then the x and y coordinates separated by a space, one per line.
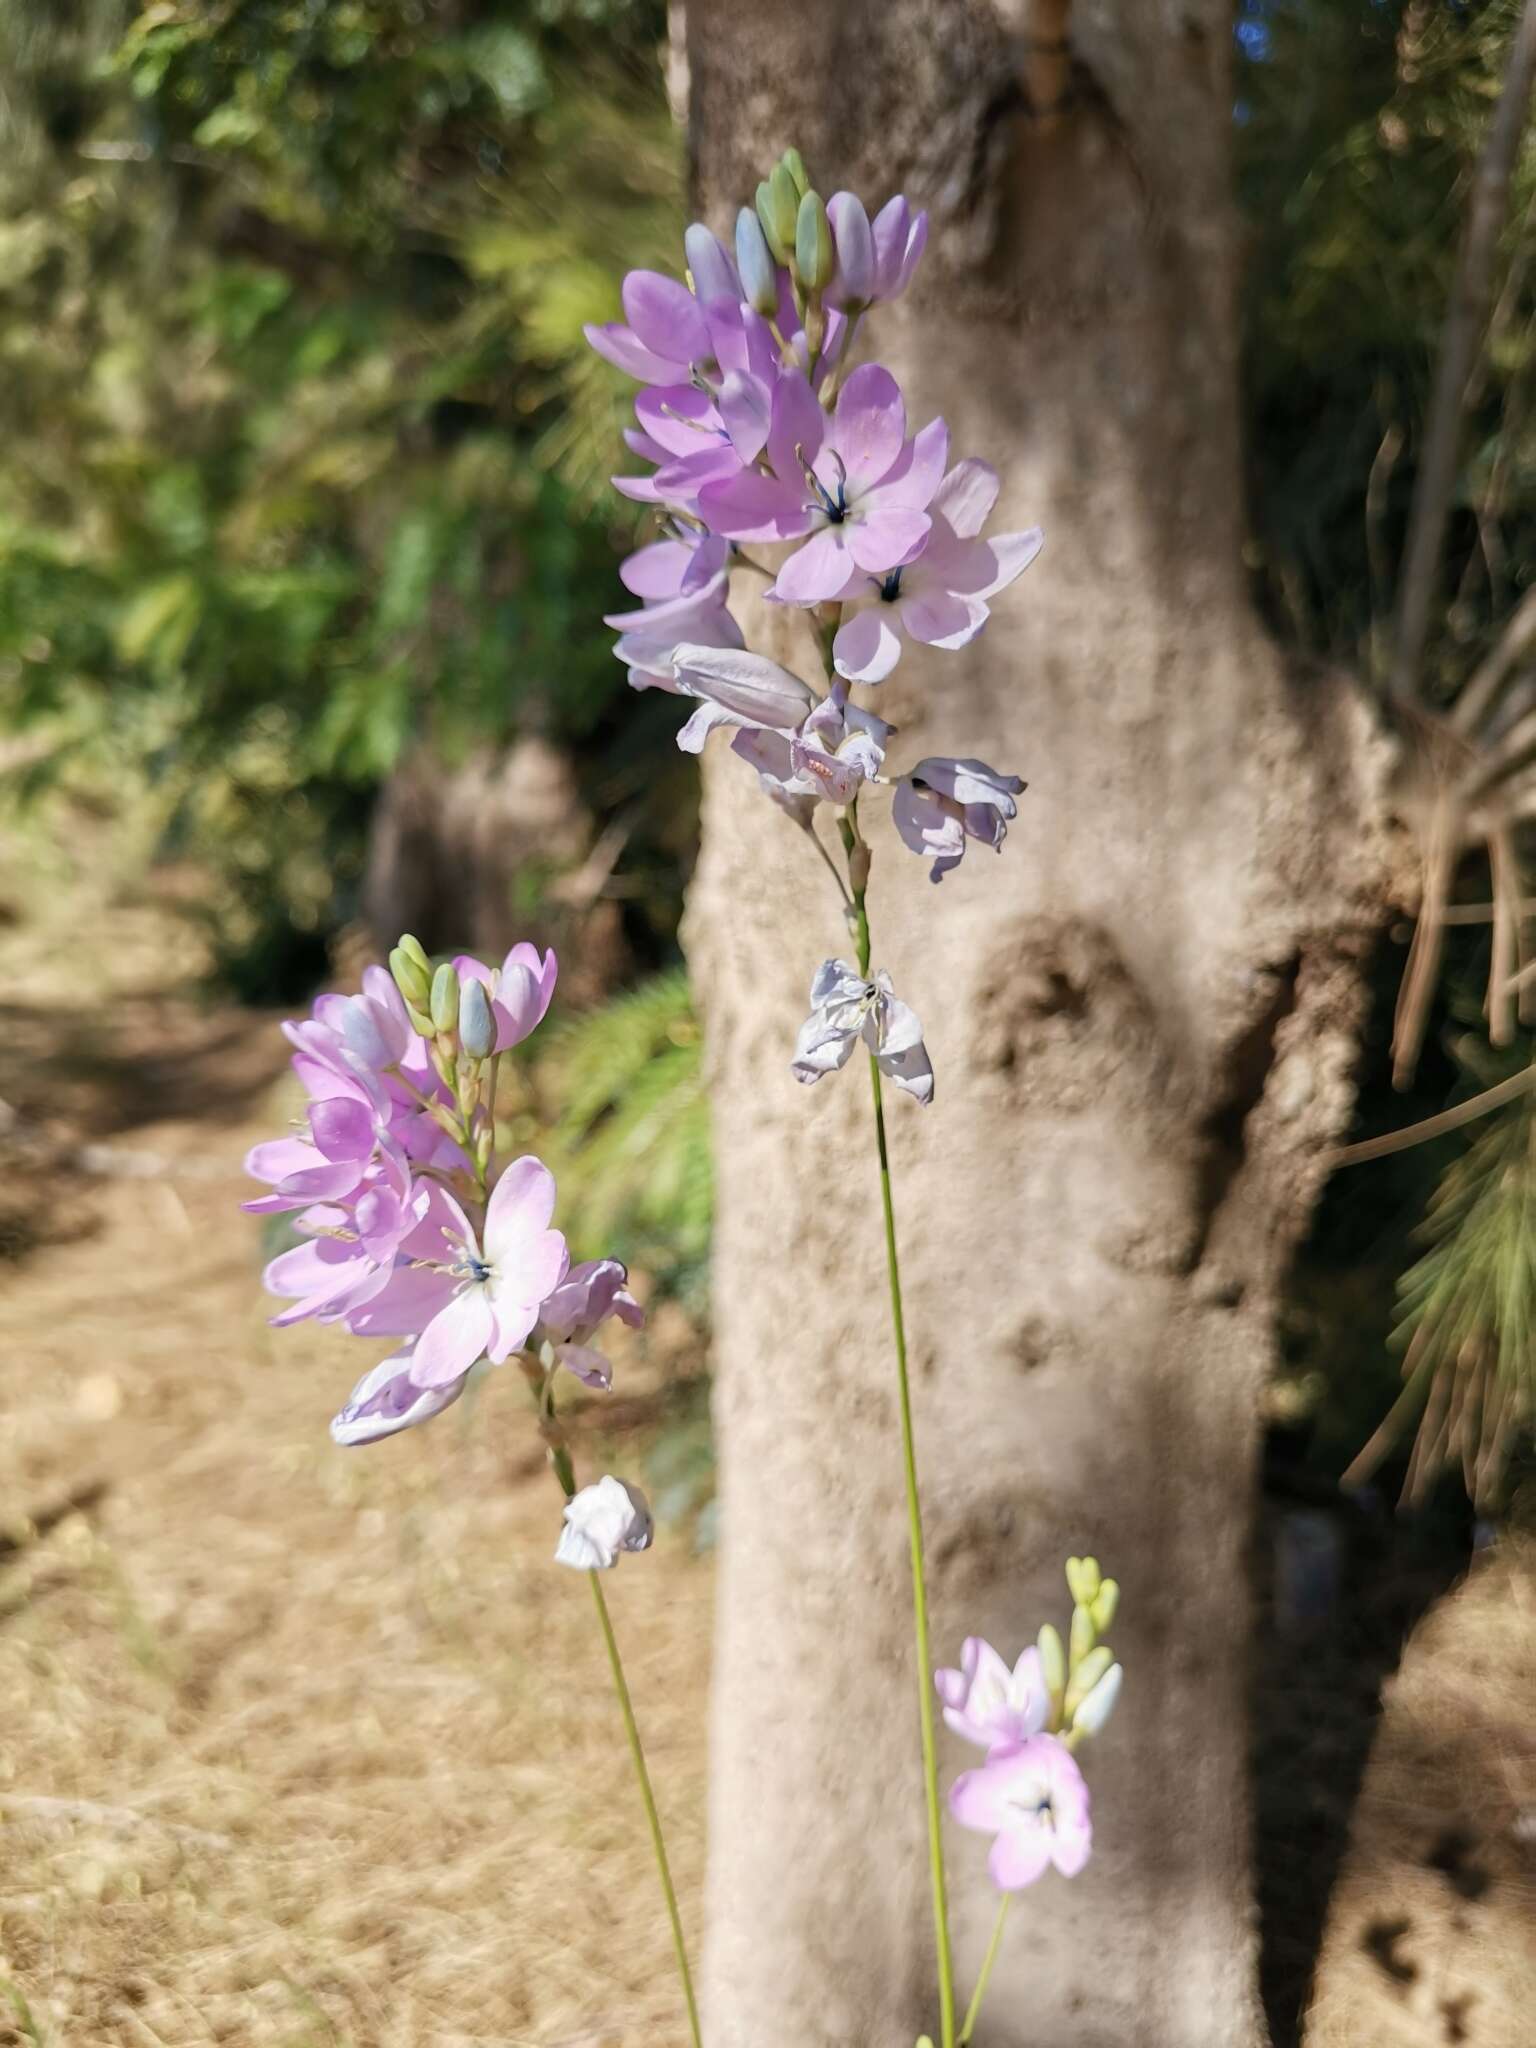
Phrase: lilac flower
pixel 685 583
pixel 666 335
pixel 941 596
pixel 986 1703
pixel 900 237
pixel 585 1299
pixel 1032 1798
pixel 386 1400
pixel 602 1521
pixel 737 688
pixel 520 990
pixel 837 749
pixel 349 1257
pixel 942 803
pixel 858 486
pixel 487 1296
pixel 845 1008
pixel 697 437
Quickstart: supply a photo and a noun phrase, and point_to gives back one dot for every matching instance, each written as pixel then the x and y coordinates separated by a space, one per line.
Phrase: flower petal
pixel 456 1336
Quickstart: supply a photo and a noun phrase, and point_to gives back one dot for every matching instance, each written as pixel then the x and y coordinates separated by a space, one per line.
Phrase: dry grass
pixel 297 1746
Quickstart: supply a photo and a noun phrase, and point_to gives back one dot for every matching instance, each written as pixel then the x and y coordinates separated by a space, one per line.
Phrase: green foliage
pixel 1360 122
pixel 300 447
pixel 631 1144
pixel 1468 1310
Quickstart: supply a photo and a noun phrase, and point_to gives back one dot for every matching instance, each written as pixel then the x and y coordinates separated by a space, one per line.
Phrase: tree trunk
pixel 1142 1017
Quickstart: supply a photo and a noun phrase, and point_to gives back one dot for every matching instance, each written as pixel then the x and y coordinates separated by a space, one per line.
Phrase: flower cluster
pixel 1029 1795
pixel 763 433
pixel 412 1229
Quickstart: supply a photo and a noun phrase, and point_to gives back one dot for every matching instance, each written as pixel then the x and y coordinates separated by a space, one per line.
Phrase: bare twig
pixel 1437 1126
pixel 1422 970
pixel 1461 338
pixel 1516 640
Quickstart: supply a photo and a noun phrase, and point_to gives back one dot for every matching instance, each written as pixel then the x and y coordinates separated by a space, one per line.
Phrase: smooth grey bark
pixel 1142 1016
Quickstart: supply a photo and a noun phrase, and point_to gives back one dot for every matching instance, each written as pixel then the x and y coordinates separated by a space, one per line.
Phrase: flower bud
pixel 777 204
pixel 445 998
pixel 759 279
pixel 1085 1678
pixel 813 244
pixel 420 1022
pixel 1103 1606
pixel 1053 1662
pixel 1083 1579
pixel 412 972
pixel 709 264
pixel 855 245
pixel 477 1027
pixel 1082 1638
pixel 1098 1703
pixel 794 163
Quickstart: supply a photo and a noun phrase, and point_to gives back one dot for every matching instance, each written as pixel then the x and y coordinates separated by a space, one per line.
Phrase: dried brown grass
pixel 297 1746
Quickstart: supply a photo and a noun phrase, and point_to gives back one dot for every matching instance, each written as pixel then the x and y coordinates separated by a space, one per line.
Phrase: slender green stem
pixel 653 1818
pixel 919 1590
pixel 973 2010
pixel 853 847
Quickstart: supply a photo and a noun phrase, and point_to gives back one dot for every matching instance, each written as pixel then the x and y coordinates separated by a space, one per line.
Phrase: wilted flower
pixel 1032 1798
pixel 942 803
pixel 990 1705
pixel 737 688
pixel 600 1522
pixel 844 1008
pixel 386 1400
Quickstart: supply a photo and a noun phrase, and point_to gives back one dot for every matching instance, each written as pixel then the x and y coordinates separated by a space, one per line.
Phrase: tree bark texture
pixel 1142 1016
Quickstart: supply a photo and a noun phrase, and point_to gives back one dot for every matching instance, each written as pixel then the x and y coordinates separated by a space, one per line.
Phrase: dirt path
pixel 297 1746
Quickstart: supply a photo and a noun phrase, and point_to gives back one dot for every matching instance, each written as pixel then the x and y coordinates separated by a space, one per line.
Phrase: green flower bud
pixel 477 1027
pixel 420 1022
pixel 1103 1606
pixel 777 204
pixel 445 998
pixel 412 979
pixel 1083 1579
pixel 1053 1662
pixel 794 163
pixel 759 279
pixel 813 243
pixel 1098 1703
pixel 1082 1638
pixel 1086 1677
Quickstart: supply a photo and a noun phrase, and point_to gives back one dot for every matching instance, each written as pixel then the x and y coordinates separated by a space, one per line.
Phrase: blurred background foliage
pixel 302 477
pixel 302 456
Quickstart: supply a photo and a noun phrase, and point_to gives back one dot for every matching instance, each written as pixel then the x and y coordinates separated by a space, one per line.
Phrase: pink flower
pixel 942 803
pixel 519 989
pixel 990 1705
pixel 941 596
pixel 493 1291
pixel 858 486
pixel 685 583
pixel 737 688
pixel 570 1317
pixel 1032 1798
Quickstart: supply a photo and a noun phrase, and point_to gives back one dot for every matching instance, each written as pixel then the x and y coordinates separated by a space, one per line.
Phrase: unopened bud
pixel 420 1022
pixel 1083 1579
pixel 445 998
pixel 813 244
pixel 1083 1636
pixel 1098 1703
pixel 412 971
pixel 854 242
pixel 778 204
pixel 759 279
pixel 1053 1662
pixel 794 163
pixel 477 1026
pixel 1086 1677
pixel 1103 1606
pixel 709 265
